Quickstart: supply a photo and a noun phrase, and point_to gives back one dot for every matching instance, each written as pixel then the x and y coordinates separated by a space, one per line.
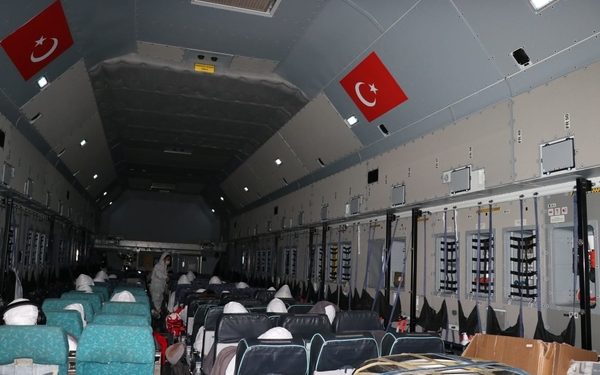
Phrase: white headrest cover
pixel 234 308
pixel 276 306
pixel 284 292
pixel 276 333
pixel 124 296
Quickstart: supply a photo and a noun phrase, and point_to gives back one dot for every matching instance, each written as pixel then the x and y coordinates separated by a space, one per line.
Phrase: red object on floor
pixel 163 344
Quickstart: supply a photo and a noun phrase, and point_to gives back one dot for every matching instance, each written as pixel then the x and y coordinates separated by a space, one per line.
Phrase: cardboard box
pixel 533 356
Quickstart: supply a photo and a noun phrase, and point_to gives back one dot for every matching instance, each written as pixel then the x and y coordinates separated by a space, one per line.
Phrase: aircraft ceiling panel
pixel 102 29
pixel 443 65
pixel 64 105
pixel 181 23
pixel 504 26
pixel 311 132
pixel 386 12
pixel 335 38
pixel 273 175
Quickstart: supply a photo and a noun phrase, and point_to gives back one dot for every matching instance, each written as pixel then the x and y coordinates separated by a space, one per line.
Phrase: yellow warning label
pixel 204 68
pixel 596 190
pixel 486 210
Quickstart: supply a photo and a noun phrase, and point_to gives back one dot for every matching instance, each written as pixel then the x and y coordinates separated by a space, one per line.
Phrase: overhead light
pixel 95 176
pixel 278 161
pixel 104 194
pixel 245 188
pixel 110 203
pixel 177 151
pixel 223 199
pixel 539 4
pixel 42 82
pixel 83 142
pixel 351 120
pixel 213 210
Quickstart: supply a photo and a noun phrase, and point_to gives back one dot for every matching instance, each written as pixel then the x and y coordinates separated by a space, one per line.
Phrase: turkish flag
pixel 373 88
pixel 39 41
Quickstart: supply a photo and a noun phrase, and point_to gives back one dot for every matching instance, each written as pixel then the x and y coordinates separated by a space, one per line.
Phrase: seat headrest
pixel 305 325
pixel 69 320
pixel 332 352
pixel 233 328
pixel 357 320
pixel 121 319
pixel 23 342
pixel 256 356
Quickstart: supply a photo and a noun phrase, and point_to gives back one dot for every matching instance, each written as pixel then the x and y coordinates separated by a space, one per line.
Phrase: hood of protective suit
pixel 84 288
pixel 101 277
pixel 124 296
pixel 191 276
pixel 215 280
pixel 21 312
pixel 79 308
pixel 183 280
pixel 284 292
pixel 242 285
pixel 234 308
pixel 83 280
pixel 276 306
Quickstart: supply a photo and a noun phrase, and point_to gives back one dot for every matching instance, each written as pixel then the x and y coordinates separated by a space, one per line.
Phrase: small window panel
pixel 447 276
pixel 460 180
pixel 324 212
pixel 482 264
pixel 8 173
pixel 301 218
pixel 522 275
pixel 264 8
pixel 354 206
pixel 398 195
pixel 557 156
pixel 373 176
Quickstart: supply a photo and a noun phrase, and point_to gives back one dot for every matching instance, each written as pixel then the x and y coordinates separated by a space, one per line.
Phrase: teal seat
pixel 68 320
pixel 43 344
pixel 106 349
pixel 94 298
pixel 56 304
pixel 120 319
pixel 103 290
pixel 127 308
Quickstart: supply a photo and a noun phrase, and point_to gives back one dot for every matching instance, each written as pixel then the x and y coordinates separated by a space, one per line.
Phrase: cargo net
pixel 523 265
pixel 447 265
pixel 482 264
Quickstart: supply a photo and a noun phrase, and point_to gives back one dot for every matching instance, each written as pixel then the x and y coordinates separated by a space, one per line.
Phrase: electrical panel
pixel 557 156
pixel 398 195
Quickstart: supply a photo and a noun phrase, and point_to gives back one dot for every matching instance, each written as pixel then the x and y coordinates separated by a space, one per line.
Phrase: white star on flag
pixel 373 88
pixel 40 41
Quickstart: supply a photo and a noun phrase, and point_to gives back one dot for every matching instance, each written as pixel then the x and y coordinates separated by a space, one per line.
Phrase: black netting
pixel 567 336
pixel 471 324
pixel 493 326
pixel 431 320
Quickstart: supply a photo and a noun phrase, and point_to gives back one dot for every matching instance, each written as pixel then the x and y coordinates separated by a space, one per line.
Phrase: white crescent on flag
pixel 362 98
pixel 40 42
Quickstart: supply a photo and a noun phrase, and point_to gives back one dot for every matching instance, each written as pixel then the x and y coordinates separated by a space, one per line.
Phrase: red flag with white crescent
pixel 39 41
pixel 372 88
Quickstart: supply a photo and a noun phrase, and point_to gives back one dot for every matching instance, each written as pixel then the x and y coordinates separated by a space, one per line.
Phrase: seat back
pixel 399 343
pixel 102 290
pixel 106 349
pixel 121 319
pixel 299 309
pixel 210 325
pixel 231 328
pixel 69 320
pixel 357 321
pixel 25 342
pixel 57 304
pixel 200 317
pixel 305 326
pixel 340 351
pixel 264 295
pixel 271 357
pixel 127 308
pixel 94 298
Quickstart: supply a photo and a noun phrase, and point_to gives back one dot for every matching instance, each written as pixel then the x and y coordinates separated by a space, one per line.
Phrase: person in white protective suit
pixel 158 282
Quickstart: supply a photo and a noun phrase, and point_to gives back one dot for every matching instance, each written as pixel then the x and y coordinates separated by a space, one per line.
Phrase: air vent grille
pixel 259 7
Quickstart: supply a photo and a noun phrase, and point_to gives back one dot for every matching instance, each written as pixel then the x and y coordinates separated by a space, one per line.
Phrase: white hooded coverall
pixel 158 282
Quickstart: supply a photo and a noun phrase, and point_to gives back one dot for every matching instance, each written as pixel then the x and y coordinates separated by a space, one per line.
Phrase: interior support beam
pixel 583 263
pixel 416 214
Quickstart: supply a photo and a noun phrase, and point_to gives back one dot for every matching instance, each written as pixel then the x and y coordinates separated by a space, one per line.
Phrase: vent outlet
pixel 258 7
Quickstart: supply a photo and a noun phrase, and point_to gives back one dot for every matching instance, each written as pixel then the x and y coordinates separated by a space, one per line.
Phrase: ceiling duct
pixel 258 7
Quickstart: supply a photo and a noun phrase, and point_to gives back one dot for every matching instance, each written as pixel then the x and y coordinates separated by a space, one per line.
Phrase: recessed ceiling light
pixel 539 4
pixel 83 142
pixel 278 161
pixel 104 194
pixel 245 188
pixel 42 82
pixel 95 176
pixel 223 199
pixel 110 203
pixel 351 120
pixel 213 210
